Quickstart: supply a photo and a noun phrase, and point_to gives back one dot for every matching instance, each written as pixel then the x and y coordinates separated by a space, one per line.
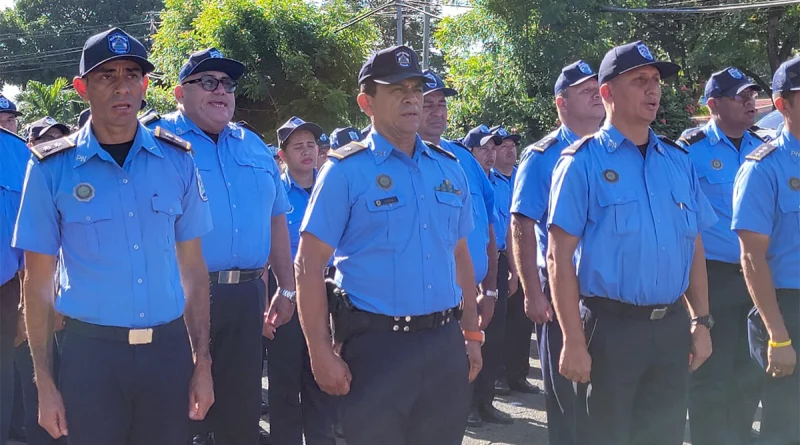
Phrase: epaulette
pixel 441 150
pixel 572 149
pixel 172 139
pixel 347 150
pixel 755 128
pixel 544 144
pixel 672 143
pixel 247 126
pixel 13 134
pixel 752 130
pixel 693 138
pixel 149 117
pixel 45 150
pixel 761 152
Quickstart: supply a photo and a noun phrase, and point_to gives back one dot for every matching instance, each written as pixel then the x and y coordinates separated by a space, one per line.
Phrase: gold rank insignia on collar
pixel 447 187
pixel 172 139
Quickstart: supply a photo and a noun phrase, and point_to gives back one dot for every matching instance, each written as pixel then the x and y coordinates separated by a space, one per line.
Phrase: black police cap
pixel 7 106
pixel 434 83
pixel 297 124
pixel 43 125
pixel 391 65
pixel 787 76
pixel 728 83
pixel 343 136
pixel 622 59
pixel 114 44
pixel 573 74
pixel 211 59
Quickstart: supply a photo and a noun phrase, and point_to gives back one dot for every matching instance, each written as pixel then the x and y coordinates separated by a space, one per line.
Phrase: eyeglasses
pixel 210 83
pixel 746 96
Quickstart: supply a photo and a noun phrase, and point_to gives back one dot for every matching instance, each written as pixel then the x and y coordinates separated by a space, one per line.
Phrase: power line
pixel 39 55
pixel 703 9
pixel 84 30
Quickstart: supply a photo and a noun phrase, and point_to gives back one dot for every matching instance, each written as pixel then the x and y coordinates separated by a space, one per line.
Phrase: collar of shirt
pixel 790 143
pixel 289 182
pixel 613 139
pixel 88 146
pixel 496 174
pixel 381 148
pixel 715 135
pixel 185 125
pixel 567 135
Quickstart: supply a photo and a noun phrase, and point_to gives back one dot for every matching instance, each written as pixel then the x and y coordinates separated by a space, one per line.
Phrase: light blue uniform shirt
pixel 244 190
pixel 717 160
pixel 483 209
pixel 766 200
pixel 298 201
pixel 637 218
pixel 116 227
pixel 394 222
pixel 532 187
pixel 502 197
pixel 14 157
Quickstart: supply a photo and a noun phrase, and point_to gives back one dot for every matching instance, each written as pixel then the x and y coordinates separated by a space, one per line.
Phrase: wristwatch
pixel 491 293
pixel 475 336
pixel 705 320
pixel 290 294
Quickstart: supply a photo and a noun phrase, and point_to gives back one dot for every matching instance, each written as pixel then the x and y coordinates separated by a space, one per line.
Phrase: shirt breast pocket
pixel 256 174
pixel 686 212
pixel 622 206
pixel 449 206
pixel 392 217
pixel 166 212
pixel 789 203
pixel 85 227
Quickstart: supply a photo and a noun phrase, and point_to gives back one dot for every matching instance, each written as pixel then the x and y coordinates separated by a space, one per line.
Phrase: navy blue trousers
pixel 35 434
pixel 493 348
pixel 519 329
pixel 9 301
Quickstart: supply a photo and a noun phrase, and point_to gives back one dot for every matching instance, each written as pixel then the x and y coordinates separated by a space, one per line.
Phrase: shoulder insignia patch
pixel 544 144
pixel 761 152
pixel 671 143
pixel 13 134
pixel 348 150
pixel 172 139
pixel 440 150
pixel 149 117
pixel 693 138
pixel 572 149
pixel 47 149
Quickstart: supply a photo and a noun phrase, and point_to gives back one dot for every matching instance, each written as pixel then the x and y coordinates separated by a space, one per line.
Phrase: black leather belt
pixel 655 312
pixel 235 276
pixel 143 336
pixel 378 322
pixel 735 268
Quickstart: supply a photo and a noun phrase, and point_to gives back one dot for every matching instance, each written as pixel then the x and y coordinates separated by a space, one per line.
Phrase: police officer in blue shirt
pixel 766 218
pixel 12 171
pixel 248 204
pixel 9 115
pixel 396 211
pixel 298 408
pixel 580 111
pixel 724 392
pixel 481 241
pixel 633 202
pixel 343 136
pixel 124 209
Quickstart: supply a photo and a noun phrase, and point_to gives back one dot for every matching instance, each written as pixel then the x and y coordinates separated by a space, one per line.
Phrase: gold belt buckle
pixel 140 336
pixel 228 277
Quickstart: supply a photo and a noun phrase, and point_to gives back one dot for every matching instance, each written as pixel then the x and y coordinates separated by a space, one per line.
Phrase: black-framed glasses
pixel 210 83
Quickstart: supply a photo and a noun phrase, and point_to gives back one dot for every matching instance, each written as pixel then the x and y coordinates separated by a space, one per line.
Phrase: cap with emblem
pixel 6 106
pixel 574 74
pixel 391 65
pixel 501 131
pixel 343 136
pixel 433 83
pixel 211 59
pixel 114 44
pixel 296 124
pixel 323 141
pixel 273 150
pixel 479 136
pixel 42 126
pixel 728 83
pixel 622 59
pixel 787 76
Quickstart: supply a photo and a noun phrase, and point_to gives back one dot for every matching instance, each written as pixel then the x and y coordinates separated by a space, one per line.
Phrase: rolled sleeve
pixel 329 206
pixel 569 196
pixel 754 205
pixel 37 228
pixel 196 218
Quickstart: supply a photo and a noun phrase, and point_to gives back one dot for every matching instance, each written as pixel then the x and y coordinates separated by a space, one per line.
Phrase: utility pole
pixel 426 35
pixel 399 23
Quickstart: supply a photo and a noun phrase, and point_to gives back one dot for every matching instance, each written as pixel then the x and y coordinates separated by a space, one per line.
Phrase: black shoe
pixel 501 387
pixel 524 387
pixel 490 414
pixel 474 418
pixel 263 437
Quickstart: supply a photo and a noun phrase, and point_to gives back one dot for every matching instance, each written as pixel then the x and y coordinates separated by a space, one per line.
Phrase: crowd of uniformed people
pixel 391 277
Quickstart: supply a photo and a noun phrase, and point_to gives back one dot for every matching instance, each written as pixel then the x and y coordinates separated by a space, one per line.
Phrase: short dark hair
pixel 786 95
pixel 563 93
pixel 369 87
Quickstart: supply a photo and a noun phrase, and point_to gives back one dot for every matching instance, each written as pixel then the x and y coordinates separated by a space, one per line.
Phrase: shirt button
pixel 424 226
pixel 234 206
pixel 170 210
pixel 229 184
pixel 236 230
pixel 139 281
pixel 141 315
pixel 428 256
pixel 124 181
pixel 429 286
pixel 658 220
pixel 88 218
pixel 421 196
pixel 652 194
pixel 130 214
pixel 135 247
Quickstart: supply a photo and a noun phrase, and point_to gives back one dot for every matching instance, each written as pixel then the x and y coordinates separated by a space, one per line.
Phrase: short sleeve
pixel 706 217
pixel 329 206
pixel 37 228
pixel 569 196
pixel 196 218
pixel 532 187
pixel 466 221
pixel 754 199
pixel 281 204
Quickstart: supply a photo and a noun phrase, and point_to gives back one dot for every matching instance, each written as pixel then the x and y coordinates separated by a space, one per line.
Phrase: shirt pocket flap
pixel 450 199
pixel 378 203
pixel 82 213
pixel 788 199
pixel 683 199
pixel 251 159
pixel 170 207
pixel 607 196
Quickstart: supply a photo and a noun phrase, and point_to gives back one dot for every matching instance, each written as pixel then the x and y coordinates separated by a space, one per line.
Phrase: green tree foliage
pixel 57 100
pixel 295 64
